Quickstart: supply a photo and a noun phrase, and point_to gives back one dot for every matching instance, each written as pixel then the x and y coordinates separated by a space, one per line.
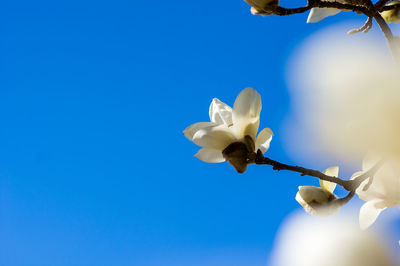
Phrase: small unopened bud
pixel 320 201
pixel 262 7
pixel 392 15
pixel 237 153
pixel 317 201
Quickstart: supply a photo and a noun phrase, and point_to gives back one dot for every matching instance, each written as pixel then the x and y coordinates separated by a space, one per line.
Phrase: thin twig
pixel 344 200
pixel 364 28
pixel 380 4
pixel 349 185
pixel 281 11
pixel 389 7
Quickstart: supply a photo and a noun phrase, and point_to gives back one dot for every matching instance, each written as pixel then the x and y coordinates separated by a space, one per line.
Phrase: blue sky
pixel 94 168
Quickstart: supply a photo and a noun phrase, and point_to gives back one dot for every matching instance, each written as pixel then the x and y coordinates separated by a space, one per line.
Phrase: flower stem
pixel 349 185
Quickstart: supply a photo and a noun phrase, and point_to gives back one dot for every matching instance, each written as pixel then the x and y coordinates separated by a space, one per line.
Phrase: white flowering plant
pixel 231 134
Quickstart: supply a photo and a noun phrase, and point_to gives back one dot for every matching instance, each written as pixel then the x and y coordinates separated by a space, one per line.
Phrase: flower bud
pixel 317 201
pixel 320 201
pixel 392 15
pixel 262 7
pixel 236 154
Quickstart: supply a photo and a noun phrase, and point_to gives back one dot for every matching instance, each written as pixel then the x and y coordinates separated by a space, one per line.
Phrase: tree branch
pixel 344 200
pixel 349 185
pixel 380 4
pixel 281 11
pixel 384 8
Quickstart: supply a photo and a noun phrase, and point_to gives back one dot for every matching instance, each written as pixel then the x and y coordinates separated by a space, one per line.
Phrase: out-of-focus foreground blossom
pixel 262 7
pixel 347 94
pixel 231 134
pixel 382 193
pixel 337 241
pixel 320 201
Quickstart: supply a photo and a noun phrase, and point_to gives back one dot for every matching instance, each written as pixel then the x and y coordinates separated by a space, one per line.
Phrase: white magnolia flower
pixel 231 134
pixel 383 192
pixel 262 7
pixel 320 201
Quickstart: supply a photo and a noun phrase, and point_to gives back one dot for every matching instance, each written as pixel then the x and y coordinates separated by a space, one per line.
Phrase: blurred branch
pixel 393 43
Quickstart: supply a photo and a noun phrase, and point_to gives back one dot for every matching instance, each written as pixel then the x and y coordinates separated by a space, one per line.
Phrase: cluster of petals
pixel 382 193
pixel 229 125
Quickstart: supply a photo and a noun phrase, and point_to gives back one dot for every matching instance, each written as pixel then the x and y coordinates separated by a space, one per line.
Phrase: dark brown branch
pixel 281 11
pixel 390 7
pixel 380 4
pixel 349 185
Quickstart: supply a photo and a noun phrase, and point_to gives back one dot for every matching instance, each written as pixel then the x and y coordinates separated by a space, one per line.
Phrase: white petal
pixel 331 171
pixel 210 155
pixel 191 130
pixel 216 137
pixel 220 113
pixel 246 112
pixel 369 212
pixel 318 14
pixel 264 139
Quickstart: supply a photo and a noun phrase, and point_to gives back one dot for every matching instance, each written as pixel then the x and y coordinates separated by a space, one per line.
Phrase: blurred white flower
pixel 393 15
pixel 262 7
pixel 347 91
pixel 320 201
pixel 337 241
pixel 383 192
pixel 231 134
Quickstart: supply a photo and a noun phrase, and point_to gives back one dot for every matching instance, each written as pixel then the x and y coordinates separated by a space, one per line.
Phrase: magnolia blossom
pixel 231 134
pixel 392 15
pixel 262 7
pixel 320 201
pixel 383 192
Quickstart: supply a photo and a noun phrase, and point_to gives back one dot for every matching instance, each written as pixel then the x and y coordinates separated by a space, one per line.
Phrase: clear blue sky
pixel 94 168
